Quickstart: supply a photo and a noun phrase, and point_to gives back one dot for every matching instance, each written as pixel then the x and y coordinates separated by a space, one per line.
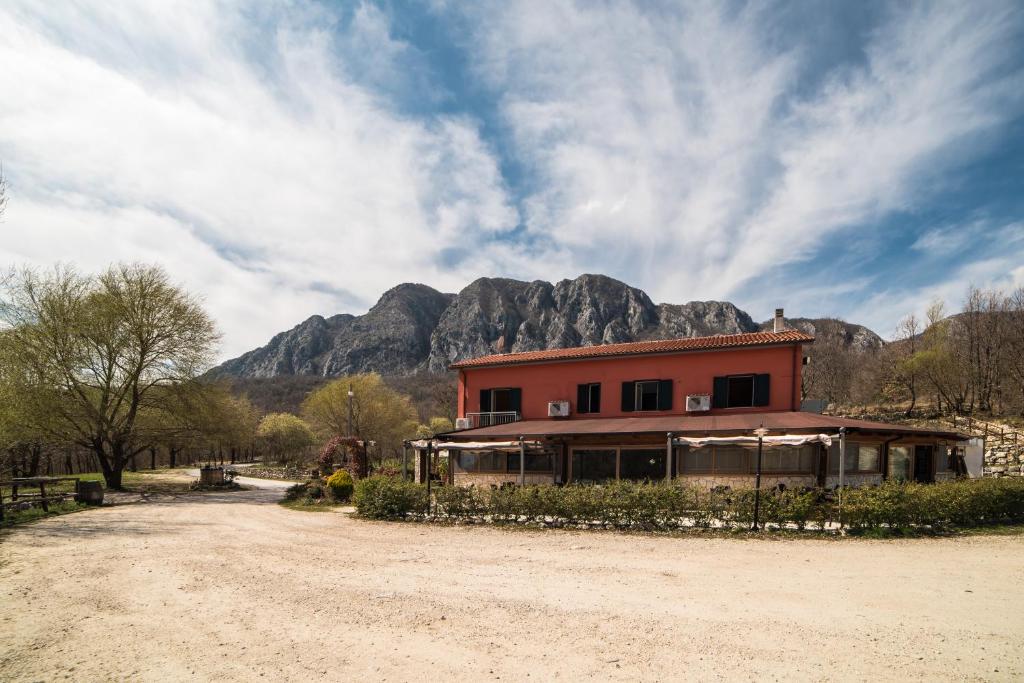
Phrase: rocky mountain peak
pixel 414 327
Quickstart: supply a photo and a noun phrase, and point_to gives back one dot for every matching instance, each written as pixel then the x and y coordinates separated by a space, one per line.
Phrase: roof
pixel 695 424
pixel 718 341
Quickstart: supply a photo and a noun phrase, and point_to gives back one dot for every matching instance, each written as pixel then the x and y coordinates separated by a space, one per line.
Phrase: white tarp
pixel 768 441
pixel 474 445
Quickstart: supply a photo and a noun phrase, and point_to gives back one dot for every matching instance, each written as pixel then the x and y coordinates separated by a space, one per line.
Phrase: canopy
pixel 474 445
pixel 767 441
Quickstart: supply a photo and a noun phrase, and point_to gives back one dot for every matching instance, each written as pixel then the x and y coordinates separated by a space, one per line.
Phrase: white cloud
pixel 709 152
pixel 259 151
pixel 151 134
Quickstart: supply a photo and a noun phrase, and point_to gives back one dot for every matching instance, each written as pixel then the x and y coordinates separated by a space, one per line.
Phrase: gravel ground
pixel 234 587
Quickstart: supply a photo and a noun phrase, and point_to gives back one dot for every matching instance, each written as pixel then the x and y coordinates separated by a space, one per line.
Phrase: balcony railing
pixel 493 418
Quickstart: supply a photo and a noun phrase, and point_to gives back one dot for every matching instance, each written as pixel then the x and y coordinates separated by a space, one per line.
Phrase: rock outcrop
pixel 415 328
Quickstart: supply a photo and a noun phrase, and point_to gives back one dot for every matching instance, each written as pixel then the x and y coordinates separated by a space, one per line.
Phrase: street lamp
pixel 350 395
pixel 761 432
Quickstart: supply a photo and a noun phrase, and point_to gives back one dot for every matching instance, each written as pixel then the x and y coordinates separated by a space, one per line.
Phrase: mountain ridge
pixel 415 328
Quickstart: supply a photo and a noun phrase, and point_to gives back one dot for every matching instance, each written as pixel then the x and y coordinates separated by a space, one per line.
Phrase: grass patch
pixel 14 517
pixel 308 505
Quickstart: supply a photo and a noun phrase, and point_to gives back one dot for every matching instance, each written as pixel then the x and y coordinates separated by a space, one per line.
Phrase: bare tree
pixel 91 357
pixel 3 191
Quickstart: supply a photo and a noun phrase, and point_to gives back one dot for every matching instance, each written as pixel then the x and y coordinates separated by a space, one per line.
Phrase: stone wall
pixel 1003 459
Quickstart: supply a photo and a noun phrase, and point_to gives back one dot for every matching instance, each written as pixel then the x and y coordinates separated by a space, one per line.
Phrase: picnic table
pixel 43 498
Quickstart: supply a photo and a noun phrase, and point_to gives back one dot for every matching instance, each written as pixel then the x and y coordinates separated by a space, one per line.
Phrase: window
pixel 741 391
pixel 500 400
pixel 502 462
pixel 641 464
pixel 943 458
pixel 535 462
pixel 860 458
pixel 899 463
pixel 588 398
pixel 648 394
pixel 786 459
pixel 467 461
pixel 593 465
pixel 743 460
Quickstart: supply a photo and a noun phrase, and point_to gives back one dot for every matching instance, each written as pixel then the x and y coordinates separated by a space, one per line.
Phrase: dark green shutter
pixel 628 397
pixel 665 394
pixel 595 398
pixel 762 391
pixel 485 400
pixel 720 394
pixel 582 398
pixel 515 398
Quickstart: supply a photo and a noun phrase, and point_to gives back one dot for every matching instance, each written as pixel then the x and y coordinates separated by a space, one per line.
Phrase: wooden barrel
pixel 211 475
pixel 90 492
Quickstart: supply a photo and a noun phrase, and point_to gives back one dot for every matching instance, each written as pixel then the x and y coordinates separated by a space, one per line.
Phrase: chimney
pixel 780 323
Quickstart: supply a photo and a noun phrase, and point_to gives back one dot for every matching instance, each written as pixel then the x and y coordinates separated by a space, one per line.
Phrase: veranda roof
pixel 740 424
pixel 767 442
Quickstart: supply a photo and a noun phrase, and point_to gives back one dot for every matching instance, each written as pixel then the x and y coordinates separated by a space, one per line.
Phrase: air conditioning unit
pixel 558 409
pixel 698 403
pixel 463 423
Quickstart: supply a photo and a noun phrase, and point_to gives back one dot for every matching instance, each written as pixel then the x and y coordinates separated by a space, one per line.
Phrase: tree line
pixel 968 363
pixel 107 370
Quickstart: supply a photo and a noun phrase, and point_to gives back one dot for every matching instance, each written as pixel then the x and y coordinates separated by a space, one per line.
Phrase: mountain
pixel 848 335
pixel 393 337
pixel 415 328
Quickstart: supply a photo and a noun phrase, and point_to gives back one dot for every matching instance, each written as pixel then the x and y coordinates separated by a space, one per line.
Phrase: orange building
pixel 681 408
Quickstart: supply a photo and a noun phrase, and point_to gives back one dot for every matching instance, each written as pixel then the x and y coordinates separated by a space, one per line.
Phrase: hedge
pixel 661 507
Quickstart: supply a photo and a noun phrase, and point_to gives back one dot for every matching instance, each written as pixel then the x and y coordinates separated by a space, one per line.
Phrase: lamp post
pixel 760 432
pixel 351 394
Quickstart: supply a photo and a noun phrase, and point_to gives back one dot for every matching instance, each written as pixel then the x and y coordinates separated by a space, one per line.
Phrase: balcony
pixel 492 418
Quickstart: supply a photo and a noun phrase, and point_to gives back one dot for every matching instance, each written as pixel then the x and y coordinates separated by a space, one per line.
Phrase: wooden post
pixel 522 463
pixel 42 496
pixel 429 450
pixel 668 457
pixel 842 469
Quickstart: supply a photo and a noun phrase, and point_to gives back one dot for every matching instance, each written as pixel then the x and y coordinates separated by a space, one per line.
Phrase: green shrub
pixel 892 506
pixel 340 485
pixel 389 498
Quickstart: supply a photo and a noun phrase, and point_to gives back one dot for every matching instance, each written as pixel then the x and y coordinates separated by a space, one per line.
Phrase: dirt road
pixel 234 587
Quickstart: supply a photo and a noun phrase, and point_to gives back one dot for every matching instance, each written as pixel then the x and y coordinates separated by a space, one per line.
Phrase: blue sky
pixel 285 158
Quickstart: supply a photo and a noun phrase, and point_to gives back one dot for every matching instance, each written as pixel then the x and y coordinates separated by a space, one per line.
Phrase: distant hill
pixel 417 329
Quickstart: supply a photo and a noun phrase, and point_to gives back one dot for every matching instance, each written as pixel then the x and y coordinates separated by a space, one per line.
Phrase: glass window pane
pixel 730 459
pixel 512 461
pixel 646 395
pixel 899 462
pixel 593 465
pixel 741 391
pixel 595 398
pixel 641 464
pixel 867 458
pixel 538 462
pixel 467 461
pixel 698 459
pixel 807 458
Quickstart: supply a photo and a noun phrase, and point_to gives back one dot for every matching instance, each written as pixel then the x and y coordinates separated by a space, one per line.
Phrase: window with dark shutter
pixel 647 394
pixel 720 393
pixel 485 400
pixel 588 398
pixel 742 391
pixel 665 394
pixel 762 390
pixel 628 397
pixel 515 400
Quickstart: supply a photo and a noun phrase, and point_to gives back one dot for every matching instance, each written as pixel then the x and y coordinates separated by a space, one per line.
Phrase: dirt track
pixel 234 587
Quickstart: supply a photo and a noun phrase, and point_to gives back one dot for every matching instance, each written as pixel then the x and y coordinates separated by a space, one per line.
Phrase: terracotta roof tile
pixel 718 341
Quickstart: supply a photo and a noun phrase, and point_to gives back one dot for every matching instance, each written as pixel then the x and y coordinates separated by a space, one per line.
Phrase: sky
pixel 284 159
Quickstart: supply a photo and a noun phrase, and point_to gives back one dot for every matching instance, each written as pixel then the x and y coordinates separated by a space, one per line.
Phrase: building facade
pixel 632 411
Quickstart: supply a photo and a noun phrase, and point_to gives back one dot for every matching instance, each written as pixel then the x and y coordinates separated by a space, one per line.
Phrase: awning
pixel 767 441
pixel 474 445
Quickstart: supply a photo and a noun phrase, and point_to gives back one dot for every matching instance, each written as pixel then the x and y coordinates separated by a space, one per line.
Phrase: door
pixel 924 464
